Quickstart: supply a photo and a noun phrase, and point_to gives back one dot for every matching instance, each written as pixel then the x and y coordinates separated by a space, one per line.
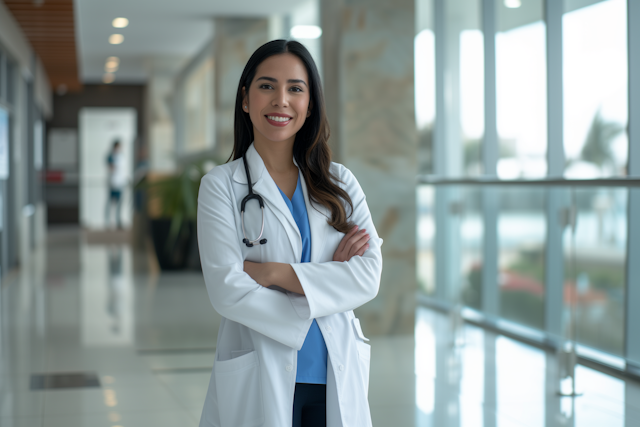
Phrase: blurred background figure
pixel 117 182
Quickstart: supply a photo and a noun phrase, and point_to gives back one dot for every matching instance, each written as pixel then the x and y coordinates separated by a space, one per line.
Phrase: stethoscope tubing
pixel 247 198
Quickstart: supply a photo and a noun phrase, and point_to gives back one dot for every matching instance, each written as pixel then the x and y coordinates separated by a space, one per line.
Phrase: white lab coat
pixel 254 372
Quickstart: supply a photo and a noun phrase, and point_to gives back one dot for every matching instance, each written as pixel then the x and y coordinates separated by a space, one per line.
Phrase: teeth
pixel 279 119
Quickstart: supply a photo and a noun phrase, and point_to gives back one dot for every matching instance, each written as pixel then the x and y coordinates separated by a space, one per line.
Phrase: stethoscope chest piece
pixel 247 198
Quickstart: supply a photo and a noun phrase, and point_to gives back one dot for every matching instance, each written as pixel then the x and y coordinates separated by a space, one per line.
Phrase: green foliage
pixel 597 148
pixel 523 307
pixel 177 196
pixel 530 264
pixel 472 292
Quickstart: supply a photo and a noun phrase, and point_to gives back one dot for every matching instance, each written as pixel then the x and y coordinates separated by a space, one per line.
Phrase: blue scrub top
pixel 312 357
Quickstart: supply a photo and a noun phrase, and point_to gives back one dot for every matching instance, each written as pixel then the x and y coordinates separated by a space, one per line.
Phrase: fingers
pixel 356 238
pixel 355 242
pixel 357 246
pixel 346 237
pixel 362 250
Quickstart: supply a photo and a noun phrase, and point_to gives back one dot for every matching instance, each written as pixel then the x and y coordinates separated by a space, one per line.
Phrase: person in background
pixel 117 182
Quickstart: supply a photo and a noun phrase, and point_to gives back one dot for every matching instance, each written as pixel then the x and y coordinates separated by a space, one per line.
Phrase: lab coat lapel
pixel 318 216
pixel 265 186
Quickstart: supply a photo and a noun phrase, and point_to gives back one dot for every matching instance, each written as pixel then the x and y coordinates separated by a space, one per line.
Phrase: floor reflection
pixel 493 381
pixel 150 339
pixel 107 295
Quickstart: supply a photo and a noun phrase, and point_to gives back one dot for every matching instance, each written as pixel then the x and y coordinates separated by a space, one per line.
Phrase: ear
pixel 309 109
pixel 245 100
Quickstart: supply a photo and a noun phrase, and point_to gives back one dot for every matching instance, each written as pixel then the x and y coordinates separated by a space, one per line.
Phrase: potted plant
pixel 172 203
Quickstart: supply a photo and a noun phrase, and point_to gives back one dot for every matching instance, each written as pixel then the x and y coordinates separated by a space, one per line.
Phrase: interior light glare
pixel 306 32
pixel 108 78
pixel 513 4
pixel 120 22
pixel 116 61
pixel 116 38
pixel 111 67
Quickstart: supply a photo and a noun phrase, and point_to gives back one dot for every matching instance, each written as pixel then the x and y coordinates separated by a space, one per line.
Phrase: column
pixel 556 197
pixel 490 195
pixel 370 81
pixel 235 39
pixel 633 243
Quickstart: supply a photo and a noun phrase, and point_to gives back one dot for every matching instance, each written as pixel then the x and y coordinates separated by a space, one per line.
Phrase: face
pixel 278 100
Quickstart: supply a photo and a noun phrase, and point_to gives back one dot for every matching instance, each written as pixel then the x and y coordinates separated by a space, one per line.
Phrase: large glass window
pixel 595 88
pixel 425 84
pixel 522 233
pixel 521 86
pixel 594 291
pixel 464 86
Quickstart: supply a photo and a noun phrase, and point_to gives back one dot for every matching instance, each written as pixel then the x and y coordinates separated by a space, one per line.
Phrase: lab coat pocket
pixel 239 392
pixel 364 353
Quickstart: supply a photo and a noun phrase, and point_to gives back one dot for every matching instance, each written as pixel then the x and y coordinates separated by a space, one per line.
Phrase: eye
pixel 266 86
pixel 296 89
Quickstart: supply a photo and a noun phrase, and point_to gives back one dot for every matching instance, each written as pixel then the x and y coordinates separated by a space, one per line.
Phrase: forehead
pixel 283 67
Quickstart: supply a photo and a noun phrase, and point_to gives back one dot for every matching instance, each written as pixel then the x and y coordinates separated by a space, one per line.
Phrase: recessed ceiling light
pixel 108 78
pixel 113 59
pixel 116 38
pixel 513 4
pixel 306 32
pixel 111 67
pixel 120 22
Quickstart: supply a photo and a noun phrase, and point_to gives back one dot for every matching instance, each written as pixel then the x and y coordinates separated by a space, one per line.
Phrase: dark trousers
pixel 310 405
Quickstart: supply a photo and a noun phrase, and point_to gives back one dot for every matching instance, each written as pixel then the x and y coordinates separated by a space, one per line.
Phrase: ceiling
pixel 157 29
pixel 49 27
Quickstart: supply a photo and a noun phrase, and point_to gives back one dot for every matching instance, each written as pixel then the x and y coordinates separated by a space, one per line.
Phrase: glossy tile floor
pixel 78 308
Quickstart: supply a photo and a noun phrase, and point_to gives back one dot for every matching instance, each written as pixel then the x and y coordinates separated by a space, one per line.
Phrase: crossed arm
pixel 283 275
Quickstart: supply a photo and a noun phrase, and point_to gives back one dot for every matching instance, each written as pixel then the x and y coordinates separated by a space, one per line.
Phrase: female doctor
pixel 286 266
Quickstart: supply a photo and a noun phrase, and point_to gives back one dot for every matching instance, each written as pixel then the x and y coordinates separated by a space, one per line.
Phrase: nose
pixel 280 98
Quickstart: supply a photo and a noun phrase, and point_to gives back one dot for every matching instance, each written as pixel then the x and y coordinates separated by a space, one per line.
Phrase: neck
pixel 277 156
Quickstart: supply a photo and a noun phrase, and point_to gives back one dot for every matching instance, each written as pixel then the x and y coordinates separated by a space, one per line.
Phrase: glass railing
pixel 549 256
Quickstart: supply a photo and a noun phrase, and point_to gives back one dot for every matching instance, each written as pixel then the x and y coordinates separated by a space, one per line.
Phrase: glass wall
pixel 425 240
pixel 521 243
pixel 467 115
pixel 425 83
pixel 595 269
pixel 471 249
pixel 463 86
pixel 452 254
pixel 521 89
pixel 550 259
pixel 595 88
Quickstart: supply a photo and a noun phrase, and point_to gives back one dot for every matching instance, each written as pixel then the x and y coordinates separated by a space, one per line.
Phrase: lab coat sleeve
pixel 233 293
pixel 335 287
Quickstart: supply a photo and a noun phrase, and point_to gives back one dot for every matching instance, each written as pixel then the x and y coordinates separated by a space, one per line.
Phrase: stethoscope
pixel 250 196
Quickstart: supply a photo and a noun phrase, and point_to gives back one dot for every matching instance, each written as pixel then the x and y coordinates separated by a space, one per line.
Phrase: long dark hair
pixel 311 148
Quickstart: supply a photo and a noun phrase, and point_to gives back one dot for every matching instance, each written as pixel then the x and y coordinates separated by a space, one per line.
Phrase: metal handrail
pixel 551 182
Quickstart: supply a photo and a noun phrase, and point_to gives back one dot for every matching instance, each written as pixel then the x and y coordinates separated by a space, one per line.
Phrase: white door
pixel 99 129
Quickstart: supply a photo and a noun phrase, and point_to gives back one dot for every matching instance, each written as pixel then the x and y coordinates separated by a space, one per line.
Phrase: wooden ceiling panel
pixel 50 27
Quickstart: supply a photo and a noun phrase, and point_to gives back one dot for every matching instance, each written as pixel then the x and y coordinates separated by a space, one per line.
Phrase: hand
pixel 274 274
pixel 258 272
pixel 353 243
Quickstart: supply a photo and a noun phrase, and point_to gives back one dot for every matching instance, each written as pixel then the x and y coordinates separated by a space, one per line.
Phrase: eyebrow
pixel 271 79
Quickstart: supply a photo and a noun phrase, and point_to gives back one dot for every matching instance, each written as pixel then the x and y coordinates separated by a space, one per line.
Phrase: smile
pixel 278 120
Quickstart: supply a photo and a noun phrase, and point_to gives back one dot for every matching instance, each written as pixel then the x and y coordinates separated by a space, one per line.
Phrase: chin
pixel 277 137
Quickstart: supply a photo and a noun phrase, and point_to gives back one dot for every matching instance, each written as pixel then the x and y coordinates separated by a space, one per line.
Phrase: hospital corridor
pixel 177 248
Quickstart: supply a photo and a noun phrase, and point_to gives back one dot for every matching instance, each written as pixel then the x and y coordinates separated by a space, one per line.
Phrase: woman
pixel 286 278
